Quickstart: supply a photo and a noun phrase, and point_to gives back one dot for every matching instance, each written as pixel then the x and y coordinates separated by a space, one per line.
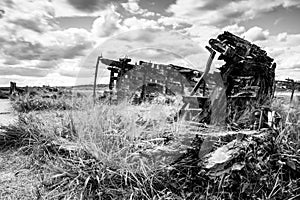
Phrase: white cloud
pixel 68 43
pixel 256 33
pixel 158 46
pixel 282 37
pixel 135 23
pixel 290 3
pixel 286 55
pixel 235 29
pixel 107 23
pixel 35 16
pixel 174 22
pixel 110 23
pixel 71 68
pixel 149 14
pixel 133 7
pixel 31 32
pixel 32 43
pixel 202 33
pixel 52 45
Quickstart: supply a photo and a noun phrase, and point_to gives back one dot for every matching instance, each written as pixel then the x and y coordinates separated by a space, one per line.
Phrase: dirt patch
pixel 17 180
pixel 6 112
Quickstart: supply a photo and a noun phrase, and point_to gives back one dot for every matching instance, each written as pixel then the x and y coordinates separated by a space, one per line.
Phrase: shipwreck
pixel 246 78
pixel 145 79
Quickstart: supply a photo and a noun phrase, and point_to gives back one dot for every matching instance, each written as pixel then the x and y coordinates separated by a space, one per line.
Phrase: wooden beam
pixel 95 80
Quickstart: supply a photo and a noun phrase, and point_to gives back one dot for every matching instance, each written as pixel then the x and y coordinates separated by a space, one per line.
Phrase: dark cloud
pixel 2 12
pixel 182 25
pixel 40 69
pixel 46 65
pixel 295 67
pixel 157 6
pixel 23 71
pixel 76 22
pixel 92 5
pixel 11 61
pixel 23 50
pixel 9 3
pixel 29 24
pixel 76 50
pixel 86 5
pixel 64 52
pixel 215 4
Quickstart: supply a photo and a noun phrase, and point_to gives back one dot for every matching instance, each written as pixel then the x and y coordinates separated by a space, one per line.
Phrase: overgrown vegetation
pixel 138 152
pixel 39 102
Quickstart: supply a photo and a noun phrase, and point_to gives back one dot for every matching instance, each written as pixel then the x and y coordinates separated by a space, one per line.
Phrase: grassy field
pixel 102 151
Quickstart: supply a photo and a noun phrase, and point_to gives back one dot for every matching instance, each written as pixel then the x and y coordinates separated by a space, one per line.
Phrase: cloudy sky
pixel 56 42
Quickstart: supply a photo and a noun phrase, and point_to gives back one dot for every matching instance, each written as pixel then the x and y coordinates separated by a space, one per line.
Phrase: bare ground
pixel 17 180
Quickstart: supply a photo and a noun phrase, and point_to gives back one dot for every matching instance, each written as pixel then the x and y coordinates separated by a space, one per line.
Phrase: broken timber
pixel 248 76
pixel 145 79
pixel 247 68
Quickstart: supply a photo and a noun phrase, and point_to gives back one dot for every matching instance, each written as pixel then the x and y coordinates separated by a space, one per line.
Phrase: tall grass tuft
pixel 28 103
pixel 26 132
pixel 138 152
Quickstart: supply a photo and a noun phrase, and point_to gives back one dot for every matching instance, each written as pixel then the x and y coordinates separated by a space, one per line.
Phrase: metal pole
pixel 293 90
pixel 95 80
pixel 291 99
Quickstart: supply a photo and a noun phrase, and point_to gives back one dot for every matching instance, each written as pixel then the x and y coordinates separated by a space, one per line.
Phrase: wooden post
pixel 95 80
pixel 13 87
pixel 181 84
pixel 293 90
pixel 143 92
pixel 166 81
pixel 111 79
pixel 207 68
pixel 204 88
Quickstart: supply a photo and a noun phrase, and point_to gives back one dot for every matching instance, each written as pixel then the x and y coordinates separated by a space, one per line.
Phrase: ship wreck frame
pixel 247 78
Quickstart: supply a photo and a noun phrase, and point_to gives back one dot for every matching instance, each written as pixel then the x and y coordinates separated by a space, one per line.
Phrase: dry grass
pixel 41 100
pixel 17 178
pixel 138 152
pixel 122 143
